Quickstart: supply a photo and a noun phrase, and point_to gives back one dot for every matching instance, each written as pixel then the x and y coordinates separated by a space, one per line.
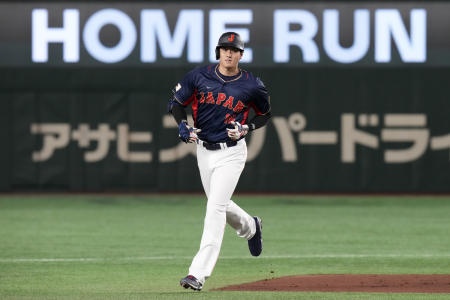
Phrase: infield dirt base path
pixel 407 283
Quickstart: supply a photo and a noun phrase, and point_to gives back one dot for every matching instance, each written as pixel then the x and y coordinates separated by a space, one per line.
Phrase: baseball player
pixel 221 96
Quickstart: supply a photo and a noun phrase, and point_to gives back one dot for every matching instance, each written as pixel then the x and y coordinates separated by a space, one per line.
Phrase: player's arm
pixel 186 133
pixel 261 106
pixel 259 121
pixel 183 96
pixel 178 112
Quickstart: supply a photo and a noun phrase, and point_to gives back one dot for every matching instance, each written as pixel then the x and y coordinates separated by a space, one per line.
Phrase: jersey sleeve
pixel 261 100
pixel 183 93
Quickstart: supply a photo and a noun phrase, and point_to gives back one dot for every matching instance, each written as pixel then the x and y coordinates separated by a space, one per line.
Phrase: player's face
pixel 230 57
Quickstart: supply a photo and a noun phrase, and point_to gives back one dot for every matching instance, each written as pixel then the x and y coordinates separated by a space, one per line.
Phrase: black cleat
pixel 255 243
pixel 191 282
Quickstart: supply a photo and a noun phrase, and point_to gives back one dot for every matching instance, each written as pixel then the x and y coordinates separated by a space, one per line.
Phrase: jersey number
pixel 229 118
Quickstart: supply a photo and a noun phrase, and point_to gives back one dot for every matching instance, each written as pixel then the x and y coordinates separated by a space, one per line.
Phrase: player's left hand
pixel 238 131
pixel 187 133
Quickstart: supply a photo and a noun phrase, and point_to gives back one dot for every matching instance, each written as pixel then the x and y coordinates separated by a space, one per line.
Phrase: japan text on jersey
pixel 217 99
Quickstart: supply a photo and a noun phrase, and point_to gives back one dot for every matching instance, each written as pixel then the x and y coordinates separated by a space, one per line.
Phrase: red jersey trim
pixel 195 108
pixel 257 111
pixel 191 98
pixel 245 115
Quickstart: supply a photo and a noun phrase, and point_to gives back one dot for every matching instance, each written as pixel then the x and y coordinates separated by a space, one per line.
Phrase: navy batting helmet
pixel 229 39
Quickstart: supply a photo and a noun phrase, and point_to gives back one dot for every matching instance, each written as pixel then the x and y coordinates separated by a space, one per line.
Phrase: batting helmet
pixel 229 39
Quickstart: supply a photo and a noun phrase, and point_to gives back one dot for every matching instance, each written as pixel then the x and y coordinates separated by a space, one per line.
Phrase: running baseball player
pixel 221 96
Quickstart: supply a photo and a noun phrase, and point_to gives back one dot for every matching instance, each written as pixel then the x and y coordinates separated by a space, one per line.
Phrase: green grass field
pixel 138 247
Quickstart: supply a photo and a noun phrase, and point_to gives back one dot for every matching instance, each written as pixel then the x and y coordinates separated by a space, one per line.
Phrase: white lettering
pixel 42 35
pixel 292 28
pixel 303 38
pixel 388 22
pixel 91 35
pixel 189 29
pixel 361 33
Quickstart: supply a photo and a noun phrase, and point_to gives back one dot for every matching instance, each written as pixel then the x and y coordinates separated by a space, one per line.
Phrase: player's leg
pixel 241 221
pixel 228 166
pixel 205 168
pixel 237 218
pixel 195 280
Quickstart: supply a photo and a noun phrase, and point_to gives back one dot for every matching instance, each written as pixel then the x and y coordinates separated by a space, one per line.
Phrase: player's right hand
pixel 238 131
pixel 187 133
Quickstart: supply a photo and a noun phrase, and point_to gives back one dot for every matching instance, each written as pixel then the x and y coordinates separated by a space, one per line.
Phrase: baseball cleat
pixel 191 282
pixel 255 243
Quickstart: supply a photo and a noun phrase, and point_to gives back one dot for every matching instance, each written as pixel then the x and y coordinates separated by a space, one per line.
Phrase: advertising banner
pixel 348 131
pixel 276 34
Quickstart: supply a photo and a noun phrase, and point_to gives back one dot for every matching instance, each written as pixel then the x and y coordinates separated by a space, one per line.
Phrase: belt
pixel 217 146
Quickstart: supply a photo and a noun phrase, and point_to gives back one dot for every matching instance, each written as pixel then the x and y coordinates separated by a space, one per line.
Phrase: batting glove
pixel 187 133
pixel 238 131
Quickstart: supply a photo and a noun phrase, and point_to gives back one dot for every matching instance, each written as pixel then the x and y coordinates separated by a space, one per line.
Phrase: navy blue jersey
pixel 217 100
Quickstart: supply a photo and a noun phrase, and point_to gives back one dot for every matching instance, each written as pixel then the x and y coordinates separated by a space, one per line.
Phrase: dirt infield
pixel 408 283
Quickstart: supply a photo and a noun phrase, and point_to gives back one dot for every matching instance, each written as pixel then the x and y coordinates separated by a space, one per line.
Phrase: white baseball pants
pixel 220 171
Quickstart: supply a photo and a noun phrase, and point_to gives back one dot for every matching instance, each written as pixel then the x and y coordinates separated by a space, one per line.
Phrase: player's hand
pixel 187 133
pixel 238 131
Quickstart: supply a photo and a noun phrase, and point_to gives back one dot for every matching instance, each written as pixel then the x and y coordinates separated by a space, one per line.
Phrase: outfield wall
pixel 349 120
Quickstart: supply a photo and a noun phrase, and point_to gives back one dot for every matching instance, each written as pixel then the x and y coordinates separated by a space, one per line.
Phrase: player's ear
pixel 242 54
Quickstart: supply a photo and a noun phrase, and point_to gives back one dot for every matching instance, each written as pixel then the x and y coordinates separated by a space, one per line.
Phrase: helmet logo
pixel 231 38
